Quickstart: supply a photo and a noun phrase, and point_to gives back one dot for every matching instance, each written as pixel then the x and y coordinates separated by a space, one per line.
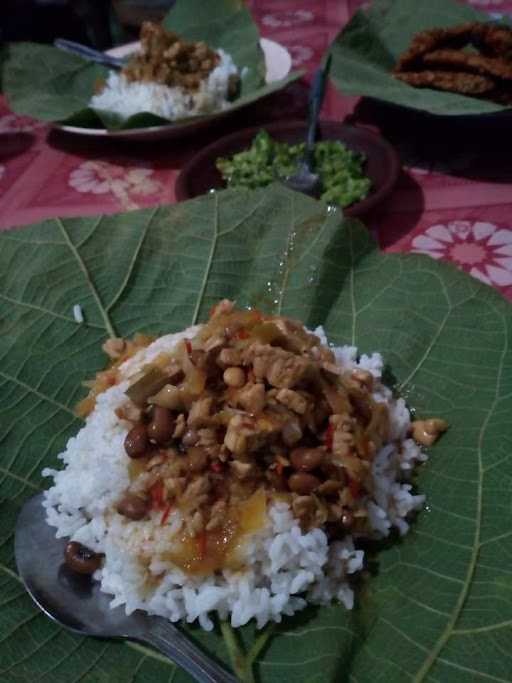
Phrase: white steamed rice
pixel 126 98
pixel 286 568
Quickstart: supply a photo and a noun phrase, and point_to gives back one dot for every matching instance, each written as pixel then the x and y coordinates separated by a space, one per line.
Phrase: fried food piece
pixel 471 62
pixel 492 40
pixel 452 81
pixel 434 39
pixel 166 58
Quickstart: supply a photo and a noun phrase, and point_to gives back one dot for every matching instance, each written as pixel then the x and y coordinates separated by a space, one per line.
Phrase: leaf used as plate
pixel 365 52
pixel 51 85
pixel 438 606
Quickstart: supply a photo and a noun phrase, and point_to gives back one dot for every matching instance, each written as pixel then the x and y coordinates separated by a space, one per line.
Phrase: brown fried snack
pixel 471 62
pixel 433 39
pixel 492 40
pixel 452 81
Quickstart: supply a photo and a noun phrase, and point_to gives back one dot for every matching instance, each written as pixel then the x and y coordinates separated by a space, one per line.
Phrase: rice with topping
pixel 285 566
pixel 127 98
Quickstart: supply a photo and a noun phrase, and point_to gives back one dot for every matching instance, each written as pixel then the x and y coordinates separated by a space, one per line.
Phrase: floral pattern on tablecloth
pixel 287 18
pixel 300 54
pixel 12 123
pixel 481 248
pixel 124 183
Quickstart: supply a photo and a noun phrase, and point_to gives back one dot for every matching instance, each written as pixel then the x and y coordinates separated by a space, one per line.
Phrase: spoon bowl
pixel 76 602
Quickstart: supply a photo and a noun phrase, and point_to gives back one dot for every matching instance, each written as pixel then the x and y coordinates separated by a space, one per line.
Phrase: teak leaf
pixel 439 605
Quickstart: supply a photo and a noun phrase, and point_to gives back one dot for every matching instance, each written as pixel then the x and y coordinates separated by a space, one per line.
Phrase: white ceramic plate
pixel 278 63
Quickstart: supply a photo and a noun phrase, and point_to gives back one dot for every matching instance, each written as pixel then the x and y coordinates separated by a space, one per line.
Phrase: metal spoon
pixel 75 601
pixel 305 179
pixel 88 53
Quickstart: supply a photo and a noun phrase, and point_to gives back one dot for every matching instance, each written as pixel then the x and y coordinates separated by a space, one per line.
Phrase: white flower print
pixel 482 248
pixel 300 54
pixel 287 18
pixel 102 177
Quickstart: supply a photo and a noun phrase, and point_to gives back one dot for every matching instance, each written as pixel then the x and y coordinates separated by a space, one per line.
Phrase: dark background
pixel 100 23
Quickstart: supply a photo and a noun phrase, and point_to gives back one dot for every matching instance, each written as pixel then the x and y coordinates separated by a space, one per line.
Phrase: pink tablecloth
pixel 453 199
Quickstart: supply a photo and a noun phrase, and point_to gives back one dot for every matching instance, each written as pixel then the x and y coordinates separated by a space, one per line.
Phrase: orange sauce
pixel 219 549
pixel 136 466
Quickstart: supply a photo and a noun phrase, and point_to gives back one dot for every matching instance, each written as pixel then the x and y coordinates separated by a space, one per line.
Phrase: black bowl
pixel 200 174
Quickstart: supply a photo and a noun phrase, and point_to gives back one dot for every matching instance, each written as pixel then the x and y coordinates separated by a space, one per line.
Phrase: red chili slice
pixel 157 495
pixel 166 514
pixel 188 344
pixel 216 467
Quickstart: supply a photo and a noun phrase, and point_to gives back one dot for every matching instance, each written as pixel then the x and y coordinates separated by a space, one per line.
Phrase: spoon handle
pixel 88 53
pixel 316 99
pixel 163 635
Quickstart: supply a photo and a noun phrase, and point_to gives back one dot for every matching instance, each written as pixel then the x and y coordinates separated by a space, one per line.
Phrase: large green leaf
pixel 365 52
pixel 52 85
pixel 439 606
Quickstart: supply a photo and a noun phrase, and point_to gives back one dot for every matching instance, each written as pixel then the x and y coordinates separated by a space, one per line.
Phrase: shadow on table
pixel 473 147
pixel 396 217
pixel 12 144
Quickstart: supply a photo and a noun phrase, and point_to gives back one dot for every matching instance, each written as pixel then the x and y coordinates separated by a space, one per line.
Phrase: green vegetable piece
pixel 340 169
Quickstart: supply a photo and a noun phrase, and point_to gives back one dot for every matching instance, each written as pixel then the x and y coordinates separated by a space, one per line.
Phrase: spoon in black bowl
pixel 75 601
pixel 88 53
pixel 305 179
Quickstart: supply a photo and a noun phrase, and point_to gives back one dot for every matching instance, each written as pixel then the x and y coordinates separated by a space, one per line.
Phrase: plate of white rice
pixel 128 99
pixel 292 558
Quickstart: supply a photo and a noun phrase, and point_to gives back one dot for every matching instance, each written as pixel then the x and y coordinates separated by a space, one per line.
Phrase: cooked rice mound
pixel 169 77
pixel 227 522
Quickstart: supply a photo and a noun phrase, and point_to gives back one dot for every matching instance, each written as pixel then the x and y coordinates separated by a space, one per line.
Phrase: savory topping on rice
pixel 166 58
pixel 242 457
pixel 170 77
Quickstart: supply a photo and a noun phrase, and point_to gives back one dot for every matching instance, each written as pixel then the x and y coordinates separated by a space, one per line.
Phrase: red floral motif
pixel 481 248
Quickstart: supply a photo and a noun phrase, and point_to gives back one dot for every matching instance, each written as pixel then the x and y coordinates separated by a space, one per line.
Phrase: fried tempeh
pixel 433 39
pixel 452 81
pixel 490 39
pixel 471 62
